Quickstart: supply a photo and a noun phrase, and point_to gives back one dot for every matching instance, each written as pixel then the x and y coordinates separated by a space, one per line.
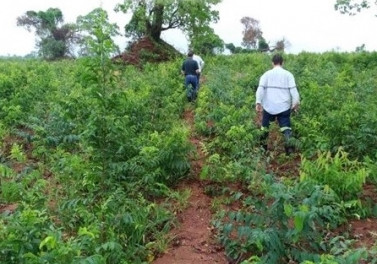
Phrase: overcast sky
pixel 308 25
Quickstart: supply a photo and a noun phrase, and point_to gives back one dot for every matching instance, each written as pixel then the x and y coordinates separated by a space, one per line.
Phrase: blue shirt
pixel 190 66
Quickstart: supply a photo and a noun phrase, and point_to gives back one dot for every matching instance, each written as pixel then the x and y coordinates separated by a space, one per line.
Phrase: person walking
pixel 277 96
pixel 200 62
pixel 190 69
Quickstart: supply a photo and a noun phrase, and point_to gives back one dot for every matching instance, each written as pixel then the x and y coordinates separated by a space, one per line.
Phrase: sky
pixel 307 25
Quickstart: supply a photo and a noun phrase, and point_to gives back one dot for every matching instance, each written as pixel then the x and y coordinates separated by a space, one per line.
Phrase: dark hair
pixel 190 53
pixel 277 59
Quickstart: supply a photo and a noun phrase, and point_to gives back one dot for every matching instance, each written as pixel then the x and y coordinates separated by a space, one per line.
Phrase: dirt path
pixel 193 241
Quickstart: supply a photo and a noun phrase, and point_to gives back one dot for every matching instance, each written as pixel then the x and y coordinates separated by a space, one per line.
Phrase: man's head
pixel 190 53
pixel 277 59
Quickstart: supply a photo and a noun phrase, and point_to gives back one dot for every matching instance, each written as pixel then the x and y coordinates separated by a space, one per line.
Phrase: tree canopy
pixel 251 33
pixel 55 38
pixel 99 30
pixel 152 17
pixel 351 7
pixel 253 39
pixel 205 41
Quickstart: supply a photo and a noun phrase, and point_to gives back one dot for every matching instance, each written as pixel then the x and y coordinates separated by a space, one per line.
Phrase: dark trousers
pixel 283 118
pixel 284 121
pixel 191 84
pixel 198 75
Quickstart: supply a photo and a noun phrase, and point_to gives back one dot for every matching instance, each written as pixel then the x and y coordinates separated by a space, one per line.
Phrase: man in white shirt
pixel 200 62
pixel 277 96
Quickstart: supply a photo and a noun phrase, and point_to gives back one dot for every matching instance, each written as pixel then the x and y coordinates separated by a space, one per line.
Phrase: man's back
pixel 190 66
pixel 278 77
pixel 277 90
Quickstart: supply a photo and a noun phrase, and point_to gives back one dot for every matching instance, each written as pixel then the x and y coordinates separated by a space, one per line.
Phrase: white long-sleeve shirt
pixel 277 91
pixel 200 61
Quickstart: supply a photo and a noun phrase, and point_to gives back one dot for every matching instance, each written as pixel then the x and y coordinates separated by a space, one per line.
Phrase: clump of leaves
pixel 346 177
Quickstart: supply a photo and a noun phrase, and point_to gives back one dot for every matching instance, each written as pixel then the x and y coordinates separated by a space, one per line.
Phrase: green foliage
pixel 263 46
pixel 351 7
pixel 98 42
pixel 52 49
pixel 21 236
pixel 77 120
pixel 225 113
pixel 23 91
pixel 55 39
pixel 10 191
pixel 17 154
pixel 347 258
pixel 150 18
pixel 344 176
pixel 88 147
pixel 281 219
pixel 203 40
pixel 344 90
pixel 371 166
pixel 99 84
pixel 290 228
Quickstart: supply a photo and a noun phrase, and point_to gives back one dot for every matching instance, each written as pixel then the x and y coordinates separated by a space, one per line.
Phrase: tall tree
pixel 97 29
pixel 55 38
pixel 152 17
pixel 205 41
pixel 280 45
pixel 351 7
pixel 251 33
pixel 231 47
pixel 98 72
pixel 263 46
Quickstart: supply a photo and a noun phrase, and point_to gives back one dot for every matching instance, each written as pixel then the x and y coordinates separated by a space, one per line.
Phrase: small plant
pixel 288 224
pixel 11 191
pixel 344 176
pixel 17 153
pixel 181 199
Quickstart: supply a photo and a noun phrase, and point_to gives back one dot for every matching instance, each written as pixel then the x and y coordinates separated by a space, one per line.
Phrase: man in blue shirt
pixel 190 69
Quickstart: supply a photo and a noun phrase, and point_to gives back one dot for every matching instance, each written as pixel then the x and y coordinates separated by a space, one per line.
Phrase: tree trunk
pixel 156 26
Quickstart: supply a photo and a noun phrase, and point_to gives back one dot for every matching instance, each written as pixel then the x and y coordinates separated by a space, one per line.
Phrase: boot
pixel 289 149
pixel 189 93
pixel 264 146
pixel 263 140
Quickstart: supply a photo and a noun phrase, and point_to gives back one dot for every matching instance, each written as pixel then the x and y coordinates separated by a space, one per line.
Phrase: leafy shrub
pixel 344 176
pixel 289 224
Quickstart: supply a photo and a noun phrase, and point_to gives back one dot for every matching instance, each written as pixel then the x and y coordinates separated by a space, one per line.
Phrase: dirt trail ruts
pixel 193 239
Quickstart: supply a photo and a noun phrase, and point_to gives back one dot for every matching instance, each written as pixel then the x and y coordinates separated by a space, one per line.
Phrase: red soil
pixel 194 238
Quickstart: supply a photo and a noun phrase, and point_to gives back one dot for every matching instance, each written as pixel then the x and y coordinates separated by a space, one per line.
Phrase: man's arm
pixel 259 94
pixel 201 63
pixel 197 70
pixel 294 93
pixel 295 98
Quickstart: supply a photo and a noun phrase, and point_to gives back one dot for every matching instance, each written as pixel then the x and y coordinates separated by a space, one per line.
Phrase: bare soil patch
pixel 147 50
pixel 194 238
pixel 8 208
pixel 364 232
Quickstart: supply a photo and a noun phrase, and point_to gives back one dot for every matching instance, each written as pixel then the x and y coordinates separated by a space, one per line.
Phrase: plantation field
pixel 94 156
